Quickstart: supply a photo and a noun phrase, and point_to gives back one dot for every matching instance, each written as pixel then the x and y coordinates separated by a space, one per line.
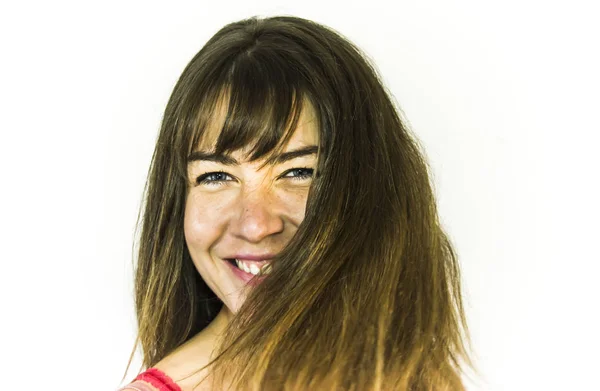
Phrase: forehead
pixel 305 133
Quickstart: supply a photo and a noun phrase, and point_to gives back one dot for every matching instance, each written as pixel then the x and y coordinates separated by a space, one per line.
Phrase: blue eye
pixel 219 177
pixel 298 173
pixel 213 178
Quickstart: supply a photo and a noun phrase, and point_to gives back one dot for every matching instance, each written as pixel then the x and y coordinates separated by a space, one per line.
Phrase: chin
pixel 234 304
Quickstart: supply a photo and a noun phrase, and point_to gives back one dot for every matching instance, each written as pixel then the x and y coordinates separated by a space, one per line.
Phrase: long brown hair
pixel 367 294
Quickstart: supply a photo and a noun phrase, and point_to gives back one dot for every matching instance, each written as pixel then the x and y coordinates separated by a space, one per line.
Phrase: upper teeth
pixel 252 268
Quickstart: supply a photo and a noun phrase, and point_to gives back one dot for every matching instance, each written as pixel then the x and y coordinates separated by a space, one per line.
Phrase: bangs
pixel 255 105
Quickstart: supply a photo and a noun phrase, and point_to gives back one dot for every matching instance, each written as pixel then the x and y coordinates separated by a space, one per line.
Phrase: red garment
pixel 154 376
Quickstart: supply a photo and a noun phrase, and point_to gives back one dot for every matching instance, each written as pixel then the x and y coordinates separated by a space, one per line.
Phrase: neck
pixel 218 324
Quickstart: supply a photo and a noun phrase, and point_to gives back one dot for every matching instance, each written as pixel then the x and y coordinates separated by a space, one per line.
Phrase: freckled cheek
pixel 204 222
pixel 295 204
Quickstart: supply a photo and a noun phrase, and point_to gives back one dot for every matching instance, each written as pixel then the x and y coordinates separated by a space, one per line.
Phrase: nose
pixel 258 216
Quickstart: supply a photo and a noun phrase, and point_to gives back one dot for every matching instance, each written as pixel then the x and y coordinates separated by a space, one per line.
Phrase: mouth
pixel 250 270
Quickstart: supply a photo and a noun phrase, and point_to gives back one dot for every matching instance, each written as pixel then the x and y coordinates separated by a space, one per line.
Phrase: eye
pixel 213 178
pixel 301 173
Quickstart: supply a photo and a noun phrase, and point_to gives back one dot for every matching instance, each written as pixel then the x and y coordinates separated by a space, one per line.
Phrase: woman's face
pixel 238 215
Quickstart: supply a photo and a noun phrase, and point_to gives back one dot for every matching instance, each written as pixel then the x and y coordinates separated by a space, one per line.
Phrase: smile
pixel 249 271
pixel 253 267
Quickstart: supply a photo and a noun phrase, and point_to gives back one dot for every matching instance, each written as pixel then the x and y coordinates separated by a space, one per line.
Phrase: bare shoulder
pixel 184 364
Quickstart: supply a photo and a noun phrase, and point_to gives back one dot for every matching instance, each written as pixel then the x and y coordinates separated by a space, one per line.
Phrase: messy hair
pixel 367 294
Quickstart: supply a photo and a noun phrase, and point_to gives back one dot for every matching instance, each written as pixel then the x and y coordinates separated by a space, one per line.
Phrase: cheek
pixel 295 204
pixel 203 222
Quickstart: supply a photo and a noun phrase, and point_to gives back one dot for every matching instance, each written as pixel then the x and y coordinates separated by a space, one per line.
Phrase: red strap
pixel 137 385
pixel 158 379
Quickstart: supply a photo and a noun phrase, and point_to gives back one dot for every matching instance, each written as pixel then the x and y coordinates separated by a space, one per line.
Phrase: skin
pixel 246 210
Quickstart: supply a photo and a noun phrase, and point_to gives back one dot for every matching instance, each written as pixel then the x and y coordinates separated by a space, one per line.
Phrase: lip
pixel 248 278
pixel 252 257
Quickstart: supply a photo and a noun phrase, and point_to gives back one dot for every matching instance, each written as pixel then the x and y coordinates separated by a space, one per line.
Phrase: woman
pixel 290 239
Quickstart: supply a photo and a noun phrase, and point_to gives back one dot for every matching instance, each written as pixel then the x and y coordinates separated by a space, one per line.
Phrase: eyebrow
pixel 230 161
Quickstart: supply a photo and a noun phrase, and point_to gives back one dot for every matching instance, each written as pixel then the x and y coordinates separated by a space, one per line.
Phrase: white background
pixel 503 95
